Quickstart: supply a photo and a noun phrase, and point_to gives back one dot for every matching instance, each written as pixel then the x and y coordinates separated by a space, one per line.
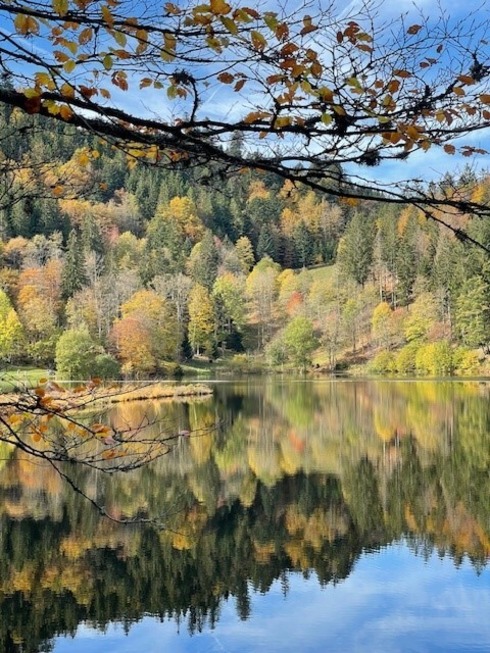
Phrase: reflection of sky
pixel 392 602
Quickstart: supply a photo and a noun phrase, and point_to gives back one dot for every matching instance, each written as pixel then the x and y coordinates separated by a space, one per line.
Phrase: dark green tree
pixel 355 253
pixel 73 276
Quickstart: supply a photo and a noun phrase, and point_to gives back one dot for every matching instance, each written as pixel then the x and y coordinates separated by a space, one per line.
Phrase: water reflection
pixel 302 478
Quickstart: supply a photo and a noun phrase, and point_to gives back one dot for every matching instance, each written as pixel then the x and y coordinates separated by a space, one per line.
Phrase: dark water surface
pixel 320 516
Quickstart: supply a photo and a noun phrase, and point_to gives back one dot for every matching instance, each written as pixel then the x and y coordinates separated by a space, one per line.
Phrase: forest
pixel 117 269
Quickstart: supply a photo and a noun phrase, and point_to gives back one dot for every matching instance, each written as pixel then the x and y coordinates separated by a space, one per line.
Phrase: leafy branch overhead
pixel 308 93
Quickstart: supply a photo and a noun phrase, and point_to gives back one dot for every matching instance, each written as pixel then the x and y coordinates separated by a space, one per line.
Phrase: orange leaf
pixel 239 85
pixel 399 72
pixel 226 78
pixel 414 29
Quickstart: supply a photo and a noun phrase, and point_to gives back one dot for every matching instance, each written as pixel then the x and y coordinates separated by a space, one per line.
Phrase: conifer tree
pixel 73 276
pixel 356 247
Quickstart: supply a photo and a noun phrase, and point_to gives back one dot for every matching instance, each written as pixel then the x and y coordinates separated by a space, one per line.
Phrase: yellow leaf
pixel 325 94
pixel 282 121
pixel 67 91
pixel 229 24
pixel 60 6
pixel 413 132
pixel 258 40
pixel 69 66
pixel 43 79
pixel 107 62
pixel 170 43
pixel 32 93
pixel 72 46
pixel 219 7
pixel 107 17
pixel 26 24
pixel 120 38
pixel 83 159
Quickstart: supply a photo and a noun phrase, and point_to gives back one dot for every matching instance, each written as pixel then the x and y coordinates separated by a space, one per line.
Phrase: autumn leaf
pixel 226 78
pixel 219 7
pixel 414 29
pixel 258 40
pixel 60 6
pixel 26 24
pixel 229 24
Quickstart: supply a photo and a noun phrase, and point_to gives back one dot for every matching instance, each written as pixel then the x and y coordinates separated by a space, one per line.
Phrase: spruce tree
pixel 73 275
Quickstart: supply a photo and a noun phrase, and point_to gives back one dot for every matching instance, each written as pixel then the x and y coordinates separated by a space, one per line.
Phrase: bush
pixel 382 363
pixel 405 361
pixel 435 359
pixel 466 362
pixel 76 352
pixel 171 369
pixel 106 367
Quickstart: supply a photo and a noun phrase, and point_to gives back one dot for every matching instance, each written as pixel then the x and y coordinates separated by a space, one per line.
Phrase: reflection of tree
pixel 232 529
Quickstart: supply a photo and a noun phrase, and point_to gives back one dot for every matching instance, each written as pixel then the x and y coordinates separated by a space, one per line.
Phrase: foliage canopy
pixel 303 91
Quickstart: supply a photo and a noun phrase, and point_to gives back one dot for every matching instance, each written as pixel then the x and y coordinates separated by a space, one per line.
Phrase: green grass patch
pixel 11 377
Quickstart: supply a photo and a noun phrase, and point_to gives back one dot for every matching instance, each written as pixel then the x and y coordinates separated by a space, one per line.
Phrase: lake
pixel 318 516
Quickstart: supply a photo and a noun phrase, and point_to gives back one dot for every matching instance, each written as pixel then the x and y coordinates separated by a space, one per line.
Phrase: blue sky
pixel 393 602
pixel 220 102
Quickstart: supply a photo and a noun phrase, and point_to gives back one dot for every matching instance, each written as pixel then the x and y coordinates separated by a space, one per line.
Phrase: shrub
pixel 106 367
pixel 466 362
pixel 435 359
pixel 405 361
pixel 382 363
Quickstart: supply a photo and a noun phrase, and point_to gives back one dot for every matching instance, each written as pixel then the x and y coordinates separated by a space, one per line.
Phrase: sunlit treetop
pixel 306 90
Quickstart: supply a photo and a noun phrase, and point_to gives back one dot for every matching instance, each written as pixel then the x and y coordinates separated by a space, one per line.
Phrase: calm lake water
pixel 319 516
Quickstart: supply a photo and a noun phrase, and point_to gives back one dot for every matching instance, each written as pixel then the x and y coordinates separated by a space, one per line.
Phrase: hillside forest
pixel 111 267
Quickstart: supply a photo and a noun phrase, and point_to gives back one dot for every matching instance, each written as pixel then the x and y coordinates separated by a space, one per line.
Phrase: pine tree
pixel 204 261
pixel 355 253
pixel 73 276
